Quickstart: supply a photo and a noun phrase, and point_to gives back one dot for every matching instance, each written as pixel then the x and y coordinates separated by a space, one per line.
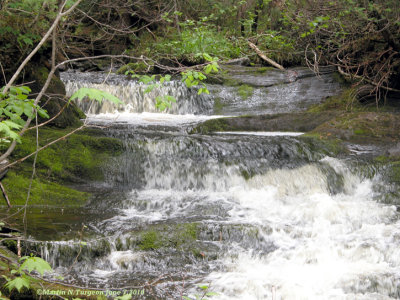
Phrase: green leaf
pixel 188 82
pixel 35 264
pixel 42 113
pixel 8 133
pixel 94 94
pixel 208 69
pixel 170 98
pixel 186 298
pixel 17 283
pixel 150 88
pixel 207 57
pixel 203 287
pixel 17 109
pixel 12 125
pixel 28 109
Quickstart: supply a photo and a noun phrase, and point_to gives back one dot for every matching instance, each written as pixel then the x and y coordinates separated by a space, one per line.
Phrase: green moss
pixel 360 131
pixel 245 91
pixel 42 192
pixel 394 172
pixel 211 126
pixel 150 240
pixel 382 159
pixel 362 127
pixel 346 101
pixel 324 144
pixel 246 175
pixel 10 245
pixel 180 236
pixel 263 70
pixel 218 106
pixel 78 158
pixel 184 233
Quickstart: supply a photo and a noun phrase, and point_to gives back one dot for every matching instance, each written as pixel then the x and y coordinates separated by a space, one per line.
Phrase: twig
pixel 264 57
pixel 340 70
pixel 4 75
pixel 19 247
pixel 7 258
pixel 42 41
pixel 5 194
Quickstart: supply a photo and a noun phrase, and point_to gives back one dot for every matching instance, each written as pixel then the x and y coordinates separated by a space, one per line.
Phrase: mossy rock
pixel 302 122
pixel 245 91
pixel 346 101
pixel 362 127
pixel 78 158
pixel 71 115
pixel 179 236
pixel 218 105
pixel 42 192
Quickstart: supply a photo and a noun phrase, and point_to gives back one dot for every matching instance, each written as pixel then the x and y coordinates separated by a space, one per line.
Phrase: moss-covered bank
pixel 301 122
pixel 77 159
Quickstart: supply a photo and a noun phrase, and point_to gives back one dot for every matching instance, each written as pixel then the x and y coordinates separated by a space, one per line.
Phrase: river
pixel 250 215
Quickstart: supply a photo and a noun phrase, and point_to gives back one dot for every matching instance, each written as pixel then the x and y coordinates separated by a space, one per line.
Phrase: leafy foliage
pixel 15 107
pixel 17 283
pixel 94 94
pixel 191 78
pixel 196 37
pixel 32 263
pixel 162 102
pixel 21 280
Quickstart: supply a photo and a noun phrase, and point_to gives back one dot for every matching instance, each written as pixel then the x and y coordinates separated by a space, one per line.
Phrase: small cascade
pixel 132 94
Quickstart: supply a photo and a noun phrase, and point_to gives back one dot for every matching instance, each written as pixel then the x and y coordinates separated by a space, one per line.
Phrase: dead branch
pixel 340 70
pixel 264 57
pixel 5 194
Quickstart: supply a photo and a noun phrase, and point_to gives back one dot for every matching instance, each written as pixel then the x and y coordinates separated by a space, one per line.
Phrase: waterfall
pixel 255 216
pixel 132 94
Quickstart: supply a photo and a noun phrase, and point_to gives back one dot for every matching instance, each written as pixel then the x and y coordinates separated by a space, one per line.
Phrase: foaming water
pixel 255 215
pixel 339 246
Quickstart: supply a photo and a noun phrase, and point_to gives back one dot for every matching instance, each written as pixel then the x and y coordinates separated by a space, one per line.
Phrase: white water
pixel 307 242
pixel 147 118
pixel 261 133
pixel 134 96
pixel 328 247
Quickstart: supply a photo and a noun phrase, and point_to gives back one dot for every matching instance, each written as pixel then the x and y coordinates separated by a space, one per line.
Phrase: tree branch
pixel 264 57
pixel 60 14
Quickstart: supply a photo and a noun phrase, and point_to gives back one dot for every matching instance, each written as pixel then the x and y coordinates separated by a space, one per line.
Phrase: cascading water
pixel 133 95
pixel 253 216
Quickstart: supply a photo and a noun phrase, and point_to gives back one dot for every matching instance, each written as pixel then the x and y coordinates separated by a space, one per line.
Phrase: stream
pixel 266 215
